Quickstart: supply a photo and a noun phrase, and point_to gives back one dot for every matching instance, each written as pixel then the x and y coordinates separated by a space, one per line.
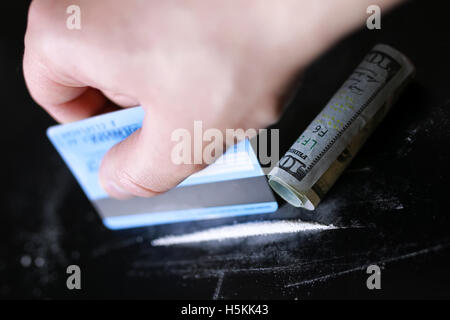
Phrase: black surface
pixel 393 201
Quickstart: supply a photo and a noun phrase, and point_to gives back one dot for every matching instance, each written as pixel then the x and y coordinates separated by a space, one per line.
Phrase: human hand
pixel 227 63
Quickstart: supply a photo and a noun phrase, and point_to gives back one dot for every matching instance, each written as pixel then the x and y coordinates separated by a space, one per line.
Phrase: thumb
pixel 141 165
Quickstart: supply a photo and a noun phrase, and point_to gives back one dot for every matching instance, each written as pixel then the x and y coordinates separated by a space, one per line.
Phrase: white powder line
pixel 250 229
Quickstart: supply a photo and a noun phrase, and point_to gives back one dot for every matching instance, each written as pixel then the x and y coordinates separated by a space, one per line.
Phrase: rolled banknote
pixel 315 161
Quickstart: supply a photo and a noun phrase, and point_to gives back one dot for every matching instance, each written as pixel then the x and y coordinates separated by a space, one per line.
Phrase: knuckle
pixel 43 9
pixel 270 115
pixel 43 23
pixel 38 14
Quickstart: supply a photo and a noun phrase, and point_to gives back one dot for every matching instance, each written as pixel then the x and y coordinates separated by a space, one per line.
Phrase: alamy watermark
pixel 73 21
pixel 206 146
pixel 73 281
pixel 374 280
pixel 374 19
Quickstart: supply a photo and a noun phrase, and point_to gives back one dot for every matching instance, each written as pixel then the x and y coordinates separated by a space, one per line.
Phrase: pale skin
pixel 227 63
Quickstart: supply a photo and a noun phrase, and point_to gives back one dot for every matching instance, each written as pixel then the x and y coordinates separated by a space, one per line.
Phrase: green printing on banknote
pixel 319 156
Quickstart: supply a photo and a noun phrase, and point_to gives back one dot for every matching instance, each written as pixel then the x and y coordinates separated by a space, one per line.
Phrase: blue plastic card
pixel 234 185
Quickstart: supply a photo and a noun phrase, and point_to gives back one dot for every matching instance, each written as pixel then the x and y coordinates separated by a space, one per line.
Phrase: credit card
pixel 234 185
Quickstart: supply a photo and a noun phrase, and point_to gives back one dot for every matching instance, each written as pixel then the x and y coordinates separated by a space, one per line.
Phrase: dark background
pixel 393 200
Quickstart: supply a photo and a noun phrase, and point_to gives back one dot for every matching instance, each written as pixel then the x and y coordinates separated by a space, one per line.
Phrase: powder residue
pixel 262 228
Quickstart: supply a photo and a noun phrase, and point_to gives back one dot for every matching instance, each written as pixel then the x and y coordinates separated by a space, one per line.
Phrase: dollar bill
pixel 318 157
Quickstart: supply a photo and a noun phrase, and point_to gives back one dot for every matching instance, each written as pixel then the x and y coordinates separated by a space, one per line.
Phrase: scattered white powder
pixel 39 262
pixel 25 261
pixel 262 228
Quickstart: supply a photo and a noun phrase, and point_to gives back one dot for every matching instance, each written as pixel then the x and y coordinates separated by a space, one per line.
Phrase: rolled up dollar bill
pixel 316 160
